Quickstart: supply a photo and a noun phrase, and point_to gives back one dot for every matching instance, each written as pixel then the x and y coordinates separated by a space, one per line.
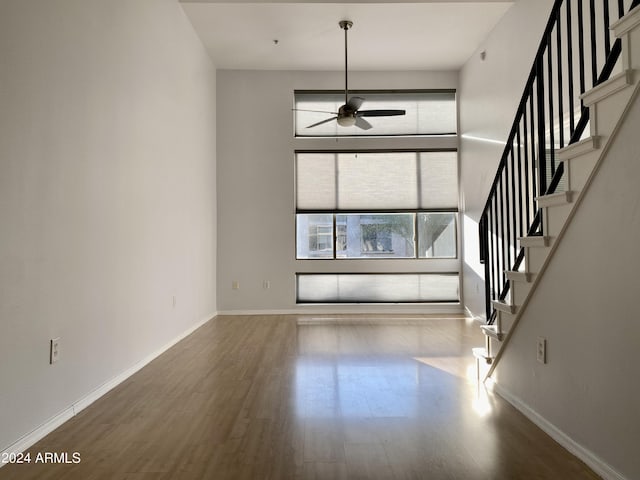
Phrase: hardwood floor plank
pixel 261 397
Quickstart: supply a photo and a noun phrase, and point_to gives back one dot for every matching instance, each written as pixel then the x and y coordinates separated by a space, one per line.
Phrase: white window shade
pixel 439 180
pixel 316 181
pixel 427 113
pixel 377 288
pixel 376 181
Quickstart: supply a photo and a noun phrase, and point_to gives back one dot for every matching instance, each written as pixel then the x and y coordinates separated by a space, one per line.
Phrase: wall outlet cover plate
pixel 541 351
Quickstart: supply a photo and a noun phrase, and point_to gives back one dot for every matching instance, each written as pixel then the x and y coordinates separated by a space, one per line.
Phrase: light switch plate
pixel 54 350
pixel 542 350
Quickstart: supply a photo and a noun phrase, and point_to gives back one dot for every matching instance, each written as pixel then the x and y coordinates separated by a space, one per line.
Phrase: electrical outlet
pixel 235 285
pixel 541 351
pixel 266 284
pixel 54 350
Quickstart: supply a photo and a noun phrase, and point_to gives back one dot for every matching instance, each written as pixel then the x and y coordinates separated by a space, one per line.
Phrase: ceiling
pixel 418 35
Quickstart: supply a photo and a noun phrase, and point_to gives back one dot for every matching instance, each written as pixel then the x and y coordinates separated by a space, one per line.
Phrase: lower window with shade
pixel 377 288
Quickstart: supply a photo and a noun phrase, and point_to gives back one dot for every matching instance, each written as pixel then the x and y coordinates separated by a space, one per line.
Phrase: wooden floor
pixel 263 398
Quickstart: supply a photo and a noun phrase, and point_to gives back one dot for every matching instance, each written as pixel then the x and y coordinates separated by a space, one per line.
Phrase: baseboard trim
pixel 40 432
pixel 258 312
pixel 54 422
pixel 480 319
pixel 387 319
pixel 593 461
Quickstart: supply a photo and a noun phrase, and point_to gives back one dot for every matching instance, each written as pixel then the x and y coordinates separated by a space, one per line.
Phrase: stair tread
pixel 519 276
pixel 574 150
pixel 613 85
pixel 553 199
pixel 630 21
pixel 503 306
pixel 492 331
pixel 481 352
pixel 534 241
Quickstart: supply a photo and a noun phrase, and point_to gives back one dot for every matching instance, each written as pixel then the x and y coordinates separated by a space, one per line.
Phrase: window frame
pixel 373 265
pixel 415 211
pixel 364 93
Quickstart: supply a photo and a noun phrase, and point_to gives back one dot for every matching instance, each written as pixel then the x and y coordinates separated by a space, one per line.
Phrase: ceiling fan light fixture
pixel 347 121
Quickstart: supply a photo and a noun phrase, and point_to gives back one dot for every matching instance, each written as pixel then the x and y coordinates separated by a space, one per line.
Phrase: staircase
pixel 553 152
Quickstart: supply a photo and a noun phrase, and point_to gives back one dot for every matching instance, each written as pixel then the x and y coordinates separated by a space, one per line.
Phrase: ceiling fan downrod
pixel 345 25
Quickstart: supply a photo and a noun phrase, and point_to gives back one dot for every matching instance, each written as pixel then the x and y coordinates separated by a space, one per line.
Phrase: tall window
pixel 362 203
pixel 376 204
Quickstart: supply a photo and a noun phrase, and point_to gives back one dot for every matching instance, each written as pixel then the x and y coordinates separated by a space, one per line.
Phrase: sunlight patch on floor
pixel 456 366
pixel 481 404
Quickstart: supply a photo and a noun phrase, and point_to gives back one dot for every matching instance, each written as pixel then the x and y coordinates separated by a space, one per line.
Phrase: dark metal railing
pixel 577 52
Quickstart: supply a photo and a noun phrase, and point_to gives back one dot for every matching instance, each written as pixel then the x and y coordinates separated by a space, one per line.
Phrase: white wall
pixel 489 93
pixel 586 306
pixel 107 195
pixel 256 221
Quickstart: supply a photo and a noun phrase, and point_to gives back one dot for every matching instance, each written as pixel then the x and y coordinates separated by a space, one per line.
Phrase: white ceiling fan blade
pixel 322 121
pixel 363 124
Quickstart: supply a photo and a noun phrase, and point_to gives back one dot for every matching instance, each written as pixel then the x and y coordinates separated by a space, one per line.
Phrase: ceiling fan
pixel 350 114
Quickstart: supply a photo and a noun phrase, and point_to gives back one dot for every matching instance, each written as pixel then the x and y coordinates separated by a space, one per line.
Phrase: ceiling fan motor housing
pixel 346 116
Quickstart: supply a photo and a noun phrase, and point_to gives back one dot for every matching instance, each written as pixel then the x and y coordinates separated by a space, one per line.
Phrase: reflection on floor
pixel 262 397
